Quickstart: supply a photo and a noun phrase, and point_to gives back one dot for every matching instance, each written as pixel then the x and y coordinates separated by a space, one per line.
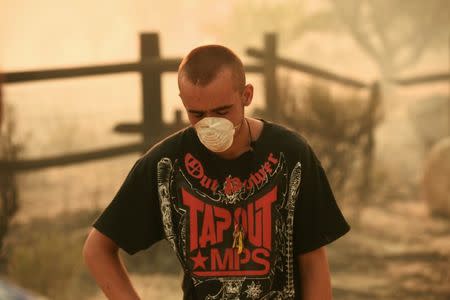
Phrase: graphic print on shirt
pixel 233 236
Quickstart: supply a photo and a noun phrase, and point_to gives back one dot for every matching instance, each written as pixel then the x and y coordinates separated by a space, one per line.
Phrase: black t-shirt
pixel 237 225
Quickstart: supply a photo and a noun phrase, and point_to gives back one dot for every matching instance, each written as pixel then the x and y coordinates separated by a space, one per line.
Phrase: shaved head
pixel 202 65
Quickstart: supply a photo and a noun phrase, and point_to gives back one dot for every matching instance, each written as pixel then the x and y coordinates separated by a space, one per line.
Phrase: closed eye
pixel 222 112
pixel 197 114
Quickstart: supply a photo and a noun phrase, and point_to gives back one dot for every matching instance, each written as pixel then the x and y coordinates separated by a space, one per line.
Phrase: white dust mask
pixel 215 133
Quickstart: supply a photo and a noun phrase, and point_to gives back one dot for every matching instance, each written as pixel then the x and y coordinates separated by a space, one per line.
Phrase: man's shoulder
pixel 293 144
pixel 286 136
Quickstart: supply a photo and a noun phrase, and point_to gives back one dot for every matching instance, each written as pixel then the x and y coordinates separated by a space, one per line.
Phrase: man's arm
pixel 315 275
pixel 101 255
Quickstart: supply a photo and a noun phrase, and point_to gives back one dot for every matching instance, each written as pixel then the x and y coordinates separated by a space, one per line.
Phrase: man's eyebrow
pixel 223 107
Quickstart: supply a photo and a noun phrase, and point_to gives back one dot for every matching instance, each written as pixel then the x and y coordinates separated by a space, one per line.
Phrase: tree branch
pixel 352 19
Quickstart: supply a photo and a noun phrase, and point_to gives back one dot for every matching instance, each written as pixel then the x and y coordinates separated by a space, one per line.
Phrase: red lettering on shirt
pixel 211 230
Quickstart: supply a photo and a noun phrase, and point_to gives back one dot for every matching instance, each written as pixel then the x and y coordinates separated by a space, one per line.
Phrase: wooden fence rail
pixel 68 159
pixel 310 70
pixel 423 79
pixel 162 65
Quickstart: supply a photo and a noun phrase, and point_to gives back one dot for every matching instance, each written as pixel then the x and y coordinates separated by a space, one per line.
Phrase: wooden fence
pixel 151 66
pixel 152 128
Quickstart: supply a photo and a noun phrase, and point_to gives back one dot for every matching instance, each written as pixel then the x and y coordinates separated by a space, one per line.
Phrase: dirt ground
pixel 396 252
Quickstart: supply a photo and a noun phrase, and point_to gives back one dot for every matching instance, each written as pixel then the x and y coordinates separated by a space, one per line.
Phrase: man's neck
pixel 241 143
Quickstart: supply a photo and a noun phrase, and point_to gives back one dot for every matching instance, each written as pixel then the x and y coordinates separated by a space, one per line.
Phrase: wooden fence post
pixel 270 77
pixel 1 101
pixel 151 91
pixel 8 184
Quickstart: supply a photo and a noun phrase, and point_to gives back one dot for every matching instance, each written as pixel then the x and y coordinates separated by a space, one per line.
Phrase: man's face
pixel 219 98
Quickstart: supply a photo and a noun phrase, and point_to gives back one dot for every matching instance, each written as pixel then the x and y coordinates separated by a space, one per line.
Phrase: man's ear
pixel 247 94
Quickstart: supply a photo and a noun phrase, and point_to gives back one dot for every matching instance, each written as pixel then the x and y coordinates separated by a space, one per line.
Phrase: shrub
pixel 46 256
pixel 338 129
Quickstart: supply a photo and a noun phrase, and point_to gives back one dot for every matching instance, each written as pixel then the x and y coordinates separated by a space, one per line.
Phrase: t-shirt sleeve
pixel 317 219
pixel 132 219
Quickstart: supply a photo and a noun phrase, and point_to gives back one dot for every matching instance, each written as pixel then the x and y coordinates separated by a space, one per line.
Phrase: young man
pixel 244 203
